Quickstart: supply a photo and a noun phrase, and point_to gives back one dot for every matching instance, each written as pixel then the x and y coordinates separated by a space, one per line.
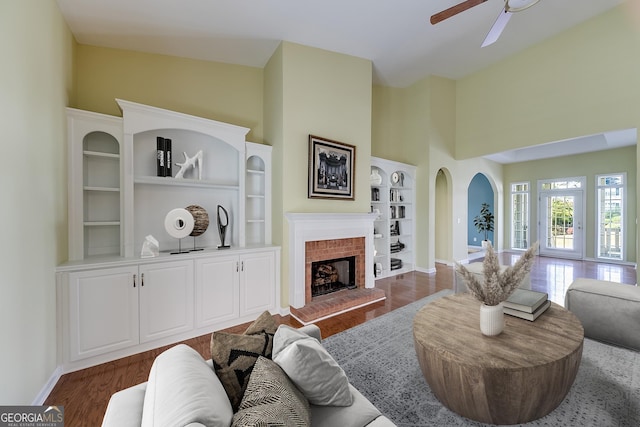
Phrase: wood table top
pixel 452 325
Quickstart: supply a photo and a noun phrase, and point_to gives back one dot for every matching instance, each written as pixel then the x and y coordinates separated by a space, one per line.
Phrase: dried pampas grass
pixel 497 287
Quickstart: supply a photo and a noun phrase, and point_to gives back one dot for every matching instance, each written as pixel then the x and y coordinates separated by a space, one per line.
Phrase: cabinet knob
pixel 242 266
pixel 142 279
pixel 134 280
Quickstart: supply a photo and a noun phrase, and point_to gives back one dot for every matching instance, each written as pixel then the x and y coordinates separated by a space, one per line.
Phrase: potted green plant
pixel 484 222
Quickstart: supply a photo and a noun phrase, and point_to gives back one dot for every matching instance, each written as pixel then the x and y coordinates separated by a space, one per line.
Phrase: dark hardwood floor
pixel 85 394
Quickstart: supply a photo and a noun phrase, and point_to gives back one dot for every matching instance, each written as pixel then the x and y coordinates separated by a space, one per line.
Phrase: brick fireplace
pixel 331 251
pixel 329 236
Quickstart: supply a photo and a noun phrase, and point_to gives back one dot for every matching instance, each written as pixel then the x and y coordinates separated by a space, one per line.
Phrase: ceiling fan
pixel 510 7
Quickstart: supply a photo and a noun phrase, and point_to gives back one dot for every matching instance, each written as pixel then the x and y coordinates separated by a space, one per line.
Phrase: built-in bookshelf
pixel 114 302
pixel 117 198
pixel 392 199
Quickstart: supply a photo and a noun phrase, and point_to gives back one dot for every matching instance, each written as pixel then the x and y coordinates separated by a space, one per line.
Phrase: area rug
pixel 380 361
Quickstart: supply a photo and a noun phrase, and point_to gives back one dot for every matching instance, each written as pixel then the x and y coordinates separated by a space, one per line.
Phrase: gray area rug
pixel 380 361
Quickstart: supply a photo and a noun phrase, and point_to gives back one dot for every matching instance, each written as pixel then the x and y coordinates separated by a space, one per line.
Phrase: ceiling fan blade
pixel 454 10
pixel 497 28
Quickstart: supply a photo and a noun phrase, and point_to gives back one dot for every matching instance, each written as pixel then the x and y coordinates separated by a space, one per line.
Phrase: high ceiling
pixel 394 34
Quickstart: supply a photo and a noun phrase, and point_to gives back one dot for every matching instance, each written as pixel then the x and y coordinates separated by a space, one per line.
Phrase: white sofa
pixel 183 390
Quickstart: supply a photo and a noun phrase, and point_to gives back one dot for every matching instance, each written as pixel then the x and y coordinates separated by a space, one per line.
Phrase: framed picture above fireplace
pixel 331 169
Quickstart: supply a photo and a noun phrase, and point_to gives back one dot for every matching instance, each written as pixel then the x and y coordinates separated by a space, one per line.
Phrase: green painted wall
pixel 328 95
pixel 274 128
pixel 213 90
pixel 387 124
pixel 581 82
pixel 588 165
pixel 37 84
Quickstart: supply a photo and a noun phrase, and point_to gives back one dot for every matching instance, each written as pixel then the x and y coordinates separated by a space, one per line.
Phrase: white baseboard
pixel 48 387
pixel 284 311
pixel 426 270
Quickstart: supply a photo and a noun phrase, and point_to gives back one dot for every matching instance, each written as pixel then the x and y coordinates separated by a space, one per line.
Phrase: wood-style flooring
pixel 85 394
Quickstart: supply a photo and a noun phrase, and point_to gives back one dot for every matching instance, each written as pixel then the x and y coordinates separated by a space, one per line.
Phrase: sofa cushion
pixel 609 311
pixel 361 413
pixel 182 389
pixel 234 355
pixel 311 368
pixel 271 399
pixel 125 407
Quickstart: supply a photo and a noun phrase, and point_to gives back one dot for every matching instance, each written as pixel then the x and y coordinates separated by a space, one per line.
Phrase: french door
pixel 561 223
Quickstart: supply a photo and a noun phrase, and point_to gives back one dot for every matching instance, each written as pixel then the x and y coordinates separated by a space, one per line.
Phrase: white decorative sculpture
pixel 190 162
pixel 150 247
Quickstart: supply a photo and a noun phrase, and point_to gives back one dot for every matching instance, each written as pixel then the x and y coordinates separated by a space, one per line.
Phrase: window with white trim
pixel 520 215
pixel 610 209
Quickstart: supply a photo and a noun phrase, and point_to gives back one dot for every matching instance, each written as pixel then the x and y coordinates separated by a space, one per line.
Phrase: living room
pixel 577 83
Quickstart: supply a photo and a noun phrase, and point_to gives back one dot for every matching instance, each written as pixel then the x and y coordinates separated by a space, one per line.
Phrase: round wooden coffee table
pixel 516 377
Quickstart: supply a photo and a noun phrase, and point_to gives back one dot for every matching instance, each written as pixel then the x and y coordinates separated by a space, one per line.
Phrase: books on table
pixel 528 316
pixel 526 304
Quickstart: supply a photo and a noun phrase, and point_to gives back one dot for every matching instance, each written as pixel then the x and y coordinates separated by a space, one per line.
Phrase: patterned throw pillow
pixel 271 399
pixel 234 355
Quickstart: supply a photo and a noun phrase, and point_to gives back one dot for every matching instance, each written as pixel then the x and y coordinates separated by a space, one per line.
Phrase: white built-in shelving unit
pixel 394 228
pixel 112 302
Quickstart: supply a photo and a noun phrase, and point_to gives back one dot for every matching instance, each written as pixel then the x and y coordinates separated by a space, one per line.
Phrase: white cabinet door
pixel 257 283
pixel 217 291
pixel 103 311
pixel 166 299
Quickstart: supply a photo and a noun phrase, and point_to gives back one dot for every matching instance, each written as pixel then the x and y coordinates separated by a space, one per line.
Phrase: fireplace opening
pixel 333 275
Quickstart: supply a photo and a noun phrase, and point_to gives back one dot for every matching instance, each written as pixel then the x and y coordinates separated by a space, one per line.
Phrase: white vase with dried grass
pixel 496 287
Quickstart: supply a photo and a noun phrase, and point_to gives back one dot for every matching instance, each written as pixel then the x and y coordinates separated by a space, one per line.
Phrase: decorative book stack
pixel 396 263
pixel 526 304
pixel 163 156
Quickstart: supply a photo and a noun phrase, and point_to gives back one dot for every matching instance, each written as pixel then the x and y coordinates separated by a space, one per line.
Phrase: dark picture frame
pixel 331 169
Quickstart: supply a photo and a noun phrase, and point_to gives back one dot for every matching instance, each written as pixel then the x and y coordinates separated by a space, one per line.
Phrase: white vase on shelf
pixel 375 178
pixel 491 319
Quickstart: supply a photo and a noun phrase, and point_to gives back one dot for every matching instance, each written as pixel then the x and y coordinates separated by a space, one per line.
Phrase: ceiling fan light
pixel 518 5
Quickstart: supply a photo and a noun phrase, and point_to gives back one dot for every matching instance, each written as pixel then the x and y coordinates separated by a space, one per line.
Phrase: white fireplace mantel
pixel 309 227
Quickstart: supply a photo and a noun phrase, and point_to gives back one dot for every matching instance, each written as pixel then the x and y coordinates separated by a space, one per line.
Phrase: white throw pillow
pixel 311 368
pixel 182 390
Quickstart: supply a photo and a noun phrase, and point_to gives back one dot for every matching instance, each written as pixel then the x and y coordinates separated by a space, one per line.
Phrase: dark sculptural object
pixel 222 227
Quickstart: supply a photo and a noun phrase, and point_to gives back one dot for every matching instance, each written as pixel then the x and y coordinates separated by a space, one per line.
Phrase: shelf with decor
pixel 392 195
pixel 120 194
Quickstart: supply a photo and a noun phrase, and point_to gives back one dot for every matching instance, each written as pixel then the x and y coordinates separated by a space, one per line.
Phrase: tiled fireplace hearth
pixel 329 237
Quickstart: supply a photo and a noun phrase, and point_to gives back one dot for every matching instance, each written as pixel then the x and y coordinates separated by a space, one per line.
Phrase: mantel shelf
pixel 158 180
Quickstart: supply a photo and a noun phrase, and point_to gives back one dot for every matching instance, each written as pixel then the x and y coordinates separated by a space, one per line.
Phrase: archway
pixel 443 218
pixel 480 191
